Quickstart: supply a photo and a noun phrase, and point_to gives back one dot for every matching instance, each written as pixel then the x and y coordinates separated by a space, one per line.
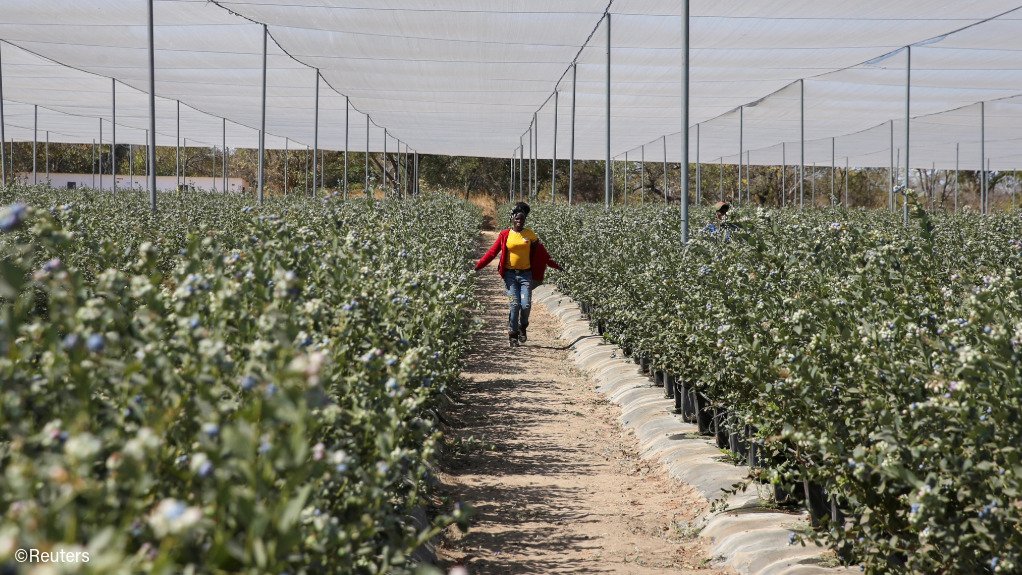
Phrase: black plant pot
pixel 658 378
pixel 680 393
pixel 600 327
pixel 668 386
pixel 816 502
pixel 688 405
pixel 739 444
pixel 788 495
pixel 720 427
pixel 704 414
pixel 644 365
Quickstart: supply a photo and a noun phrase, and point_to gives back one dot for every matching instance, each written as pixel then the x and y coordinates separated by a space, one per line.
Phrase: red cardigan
pixel 539 258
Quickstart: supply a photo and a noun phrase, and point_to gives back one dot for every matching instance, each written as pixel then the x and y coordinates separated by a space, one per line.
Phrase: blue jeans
pixel 519 292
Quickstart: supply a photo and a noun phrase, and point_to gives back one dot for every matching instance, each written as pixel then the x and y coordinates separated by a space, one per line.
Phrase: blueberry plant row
pixel 875 366
pixel 221 387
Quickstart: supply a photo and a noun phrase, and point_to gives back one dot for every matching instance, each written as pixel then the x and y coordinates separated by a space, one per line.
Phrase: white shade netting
pixel 450 77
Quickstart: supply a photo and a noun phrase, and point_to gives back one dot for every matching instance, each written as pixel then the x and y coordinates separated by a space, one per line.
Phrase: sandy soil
pixel 555 481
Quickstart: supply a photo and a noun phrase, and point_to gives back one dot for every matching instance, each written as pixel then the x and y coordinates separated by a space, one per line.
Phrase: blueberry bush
pixel 880 362
pixel 222 387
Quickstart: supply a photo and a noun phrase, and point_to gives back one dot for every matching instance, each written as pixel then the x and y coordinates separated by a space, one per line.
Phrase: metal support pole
pixel 113 134
pixel 983 203
pixel 521 166
pixel 665 169
pixel 511 185
pixel 802 139
pixel 131 167
pixel 262 125
pixel 890 173
pixel 626 179
pixel 748 178
pixel 846 183
pixel 812 185
pixel 532 173
pixel 223 158
pixel 177 161
pixel 784 175
pixel 606 170
pixel 571 161
pixel 93 162
pixel 286 166
pixel 3 136
pixel 741 148
pixel 305 189
pixel 684 127
pixel 98 169
pixel 151 132
pixel 347 107
pixel 35 140
pixel 534 192
pixel 642 175
pixel 908 131
pixel 367 158
pixel 417 190
pixel 699 169
pixel 553 161
pixel 957 179
pixel 833 169
pixel 315 141
pixel 46 155
pixel 385 163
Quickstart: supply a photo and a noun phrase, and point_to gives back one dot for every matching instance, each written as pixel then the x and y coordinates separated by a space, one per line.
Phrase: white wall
pixel 163 183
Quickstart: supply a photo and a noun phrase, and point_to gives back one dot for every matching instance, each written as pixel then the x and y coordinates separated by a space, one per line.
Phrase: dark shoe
pixel 513 339
pixel 522 338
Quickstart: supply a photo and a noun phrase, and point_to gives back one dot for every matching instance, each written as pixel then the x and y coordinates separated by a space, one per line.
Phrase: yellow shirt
pixel 518 245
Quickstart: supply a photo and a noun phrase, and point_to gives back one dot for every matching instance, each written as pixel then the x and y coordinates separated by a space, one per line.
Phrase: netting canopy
pixel 471 78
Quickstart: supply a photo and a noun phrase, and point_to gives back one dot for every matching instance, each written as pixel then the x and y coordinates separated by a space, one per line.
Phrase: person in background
pixel 523 263
pixel 720 225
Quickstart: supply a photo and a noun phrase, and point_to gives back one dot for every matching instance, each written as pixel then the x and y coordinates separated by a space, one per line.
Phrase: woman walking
pixel 523 263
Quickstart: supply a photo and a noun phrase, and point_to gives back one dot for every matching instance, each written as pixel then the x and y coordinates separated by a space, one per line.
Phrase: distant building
pixel 138 182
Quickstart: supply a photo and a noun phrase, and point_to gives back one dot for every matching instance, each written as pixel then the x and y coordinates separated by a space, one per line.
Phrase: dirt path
pixel 555 481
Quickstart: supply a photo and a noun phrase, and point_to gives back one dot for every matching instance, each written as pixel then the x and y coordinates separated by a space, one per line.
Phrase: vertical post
pixel 286 163
pixel 748 178
pixel 534 192
pixel 385 162
pixel 642 174
pixel 553 161
pixel 46 155
pixel 684 127
pixel 532 172
pixel 98 169
pixel 833 147
pixel 847 205
pixel 347 107
pixel 890 173
pixel 417 191
pixel 3 136
pixel 131 167
pixel 908 131
pixel 741 148
pixel 35 140
pixel 93 162
pixel 521 166
pixel 699 169
pixel 720 191
pixel 262 125
pixel 184 174
pixel 511 185
pixel 151 132
pixel 223 158
pixel 665 169
pixel 177 147
pixel 367 158
pixel 606 169
pixel 626 179
pixel 571 161
pixel 957 180
pixel 982 160
pixel 802 139
pixel 315 141
pixel 305 172
pixel 784 175
pixel 812 182
pixel 113 134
